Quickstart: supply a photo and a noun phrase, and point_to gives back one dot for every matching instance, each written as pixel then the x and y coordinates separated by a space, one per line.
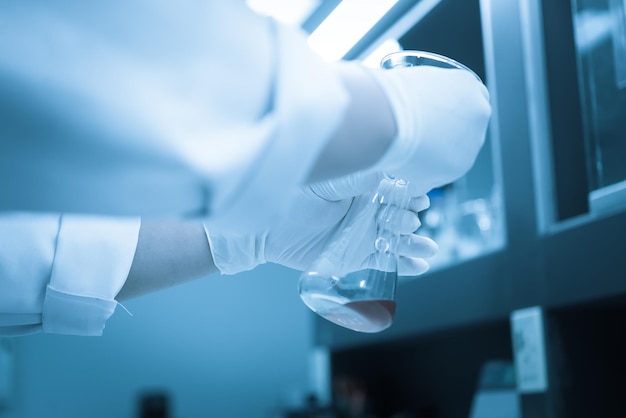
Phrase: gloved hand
pixel 441 122
pixel 317 212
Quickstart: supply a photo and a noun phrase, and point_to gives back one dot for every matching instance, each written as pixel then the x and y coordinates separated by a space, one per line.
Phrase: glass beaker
pixel 365 300
pixel 361 300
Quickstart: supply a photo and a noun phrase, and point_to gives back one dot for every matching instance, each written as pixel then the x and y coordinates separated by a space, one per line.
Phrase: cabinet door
pixel 576 55
pixel 600 45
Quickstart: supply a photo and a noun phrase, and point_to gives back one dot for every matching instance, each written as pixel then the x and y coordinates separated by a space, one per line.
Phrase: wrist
pixel 235 253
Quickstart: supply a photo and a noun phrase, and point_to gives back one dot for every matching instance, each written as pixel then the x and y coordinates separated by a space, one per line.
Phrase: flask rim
pixel 412 58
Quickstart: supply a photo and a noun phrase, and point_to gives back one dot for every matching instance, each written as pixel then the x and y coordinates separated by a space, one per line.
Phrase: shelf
pixel 437 376
pixel 468 293
pixel 585 263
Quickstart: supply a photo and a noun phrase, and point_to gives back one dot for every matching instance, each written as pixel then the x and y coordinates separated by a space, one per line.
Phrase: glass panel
pixel 600 36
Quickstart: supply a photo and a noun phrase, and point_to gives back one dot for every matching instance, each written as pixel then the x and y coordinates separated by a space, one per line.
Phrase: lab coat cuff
pixel 27 247
pixel 92 260
pixel 65 313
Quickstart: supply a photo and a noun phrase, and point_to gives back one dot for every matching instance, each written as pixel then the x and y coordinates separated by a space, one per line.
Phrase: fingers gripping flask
pixel 362 300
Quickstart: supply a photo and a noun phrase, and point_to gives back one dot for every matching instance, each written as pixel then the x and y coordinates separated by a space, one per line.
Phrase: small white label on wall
pixel 529 350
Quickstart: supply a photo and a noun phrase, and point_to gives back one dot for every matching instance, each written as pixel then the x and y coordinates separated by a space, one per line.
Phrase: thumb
pixel 348 186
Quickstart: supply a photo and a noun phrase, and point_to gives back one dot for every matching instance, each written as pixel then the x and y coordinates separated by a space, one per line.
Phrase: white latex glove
pixel 441 121
pixel 316 214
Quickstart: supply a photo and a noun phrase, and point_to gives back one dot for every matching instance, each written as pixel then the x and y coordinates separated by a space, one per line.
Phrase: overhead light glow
pixel 385 48
pixel 293 12
pixel 348 23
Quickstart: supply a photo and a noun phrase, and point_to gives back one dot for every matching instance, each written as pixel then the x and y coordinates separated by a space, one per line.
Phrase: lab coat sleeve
pixel 141 108
pixel 60 274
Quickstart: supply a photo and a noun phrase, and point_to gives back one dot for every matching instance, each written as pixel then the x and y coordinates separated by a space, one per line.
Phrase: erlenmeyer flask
pixel 363 300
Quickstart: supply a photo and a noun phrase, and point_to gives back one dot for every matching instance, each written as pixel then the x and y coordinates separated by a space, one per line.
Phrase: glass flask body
pixel 362 300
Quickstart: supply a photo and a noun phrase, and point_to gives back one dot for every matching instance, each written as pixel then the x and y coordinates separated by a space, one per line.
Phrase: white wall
pixel 222 346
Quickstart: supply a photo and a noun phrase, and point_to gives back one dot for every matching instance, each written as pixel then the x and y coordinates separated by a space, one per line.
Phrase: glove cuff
pixel 407 117
pixel 235 253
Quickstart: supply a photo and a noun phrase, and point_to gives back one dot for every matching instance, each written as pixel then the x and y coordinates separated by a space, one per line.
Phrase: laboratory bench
pixel 540 288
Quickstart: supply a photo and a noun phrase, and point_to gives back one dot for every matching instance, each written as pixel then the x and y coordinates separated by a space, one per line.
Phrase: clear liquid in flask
pixel 347 303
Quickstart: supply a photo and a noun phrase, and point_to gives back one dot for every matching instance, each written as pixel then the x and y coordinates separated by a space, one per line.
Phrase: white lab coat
pixel 60 273
pixel 140 108
pixel 155 107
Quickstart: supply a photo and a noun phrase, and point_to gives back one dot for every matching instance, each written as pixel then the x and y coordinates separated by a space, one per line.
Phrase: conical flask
pixel 365 300
pixel 362 300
